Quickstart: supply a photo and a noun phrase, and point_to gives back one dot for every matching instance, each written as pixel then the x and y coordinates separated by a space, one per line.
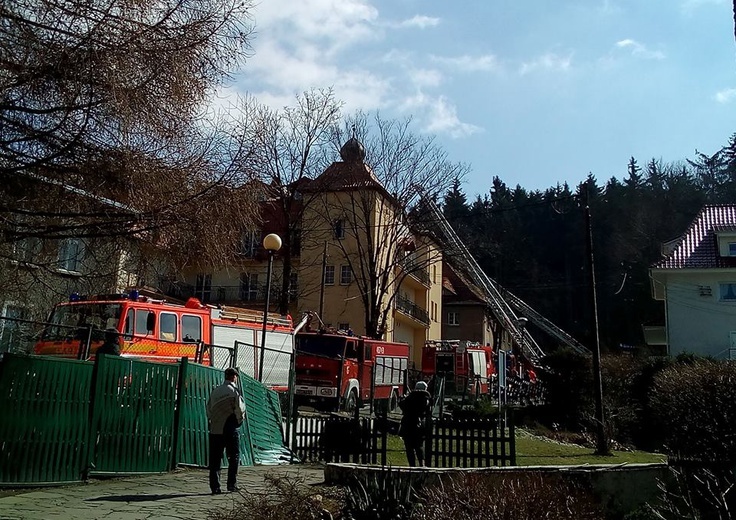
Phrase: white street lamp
pixel 271 243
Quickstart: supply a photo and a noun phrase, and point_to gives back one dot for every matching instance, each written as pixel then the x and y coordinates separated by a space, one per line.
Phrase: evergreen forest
pixel 533 243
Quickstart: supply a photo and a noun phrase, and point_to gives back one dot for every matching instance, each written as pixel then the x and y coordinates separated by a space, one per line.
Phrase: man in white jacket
pixel 225 412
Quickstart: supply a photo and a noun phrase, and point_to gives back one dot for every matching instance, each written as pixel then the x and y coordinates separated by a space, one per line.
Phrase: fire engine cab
pixel 466 366
pixel 338 371
pixel 157 330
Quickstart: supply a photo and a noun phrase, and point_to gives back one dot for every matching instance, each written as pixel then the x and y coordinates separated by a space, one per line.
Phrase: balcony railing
pixel 407 306
pixel 416 270
pixel 220 293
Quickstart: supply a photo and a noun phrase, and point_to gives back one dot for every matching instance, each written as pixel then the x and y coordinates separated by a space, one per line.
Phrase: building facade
pixel 696 280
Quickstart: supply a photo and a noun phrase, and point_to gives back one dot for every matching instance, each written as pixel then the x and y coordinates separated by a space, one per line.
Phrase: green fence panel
pixel 263 416
pixel 44 406
pixel 193 442
pixel 133 405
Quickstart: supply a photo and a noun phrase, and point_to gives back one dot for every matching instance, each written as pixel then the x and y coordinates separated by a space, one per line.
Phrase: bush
pixel 696 405
pixel 288 498
pixel 568 379
pixel 627 385
pixel 488 497
pixel 382 495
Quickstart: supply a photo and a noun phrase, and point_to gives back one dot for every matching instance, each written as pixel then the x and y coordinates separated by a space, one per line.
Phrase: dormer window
pixel 726 243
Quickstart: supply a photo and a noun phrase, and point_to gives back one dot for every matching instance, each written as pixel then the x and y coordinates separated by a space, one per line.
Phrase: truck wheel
pixel 351 402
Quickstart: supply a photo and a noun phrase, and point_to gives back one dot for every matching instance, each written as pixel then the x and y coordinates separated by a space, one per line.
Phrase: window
pixel 27 249
pixel 251 242
pixel 203 288
pixel 13 334
pixel 453 318
pixel 248 287
pixel 167 326
pixel 191 328
pixel 295 240
pixel 293 285
pixel 346 275
pixel 732 249
pixel 141 322
pixel 339 229
pixel 728 292
pixel 71 252
pixel 329 275
pixel 129 323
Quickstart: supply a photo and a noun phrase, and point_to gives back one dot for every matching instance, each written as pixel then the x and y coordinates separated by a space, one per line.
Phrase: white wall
pixel 696 323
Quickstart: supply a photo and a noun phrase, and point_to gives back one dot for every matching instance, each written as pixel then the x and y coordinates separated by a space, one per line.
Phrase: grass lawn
pixel 533 450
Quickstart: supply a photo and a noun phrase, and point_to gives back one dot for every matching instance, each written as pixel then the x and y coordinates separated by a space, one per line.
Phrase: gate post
pixel 183 366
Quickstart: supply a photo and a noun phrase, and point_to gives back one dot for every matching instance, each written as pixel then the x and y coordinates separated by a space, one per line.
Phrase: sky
pixel 536 92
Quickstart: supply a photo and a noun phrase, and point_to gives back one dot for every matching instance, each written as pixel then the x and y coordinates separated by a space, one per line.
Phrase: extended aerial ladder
pixel 503 305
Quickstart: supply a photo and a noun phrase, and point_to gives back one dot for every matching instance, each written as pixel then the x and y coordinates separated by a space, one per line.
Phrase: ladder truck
pixel 510 311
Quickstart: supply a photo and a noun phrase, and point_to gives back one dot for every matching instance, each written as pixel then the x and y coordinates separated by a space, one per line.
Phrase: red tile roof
pixel 698 247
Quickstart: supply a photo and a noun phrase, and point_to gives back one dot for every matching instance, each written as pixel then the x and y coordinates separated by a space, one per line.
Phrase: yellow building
pixel 381 278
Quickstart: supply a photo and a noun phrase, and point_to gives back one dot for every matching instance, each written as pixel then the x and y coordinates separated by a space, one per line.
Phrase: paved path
pixel 182 494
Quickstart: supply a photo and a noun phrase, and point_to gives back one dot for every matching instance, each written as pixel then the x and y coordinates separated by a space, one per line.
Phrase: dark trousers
pixel 414 450
pixel 230 443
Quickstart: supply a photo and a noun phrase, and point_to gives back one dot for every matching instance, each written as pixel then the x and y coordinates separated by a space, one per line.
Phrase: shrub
pixel 488 497
pixel 288 498
pixel 381 495
pixel 696 406
pixel 567 378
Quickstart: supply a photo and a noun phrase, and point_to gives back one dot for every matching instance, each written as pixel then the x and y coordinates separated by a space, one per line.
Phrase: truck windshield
pixel 71 320
pixel 321 345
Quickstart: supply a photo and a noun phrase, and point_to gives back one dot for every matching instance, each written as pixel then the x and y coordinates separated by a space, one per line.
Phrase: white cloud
pixel 548 61
pixel 639 50
pixel 419 21
pixel 436 114
pixel 469 63
pixel 334 22
pixel 726 95
pixel 425 77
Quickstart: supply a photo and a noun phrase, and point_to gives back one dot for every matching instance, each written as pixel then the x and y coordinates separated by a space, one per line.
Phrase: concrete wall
pixel 619 488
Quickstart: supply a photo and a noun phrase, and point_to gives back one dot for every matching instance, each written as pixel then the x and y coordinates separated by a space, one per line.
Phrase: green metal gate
pixel 61 420
pixel 44 431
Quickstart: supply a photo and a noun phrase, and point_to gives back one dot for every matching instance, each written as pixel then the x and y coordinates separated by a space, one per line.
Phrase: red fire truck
pixel 156 330
pixel 466 366
pixel 337 371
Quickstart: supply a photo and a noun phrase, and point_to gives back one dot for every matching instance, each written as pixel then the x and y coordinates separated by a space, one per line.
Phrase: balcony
pixel 231 294
pixel 410 308
pixel 416 270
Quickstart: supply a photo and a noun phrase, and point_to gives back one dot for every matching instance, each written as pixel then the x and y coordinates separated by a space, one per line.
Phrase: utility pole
pixel 601 442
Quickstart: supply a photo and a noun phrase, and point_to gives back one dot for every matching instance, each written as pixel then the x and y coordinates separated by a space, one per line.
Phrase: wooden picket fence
pixel 472 443
pixel 333 438
pixel 467 443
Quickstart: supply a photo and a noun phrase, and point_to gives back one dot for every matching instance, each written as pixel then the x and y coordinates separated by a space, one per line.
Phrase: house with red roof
pixel 696 280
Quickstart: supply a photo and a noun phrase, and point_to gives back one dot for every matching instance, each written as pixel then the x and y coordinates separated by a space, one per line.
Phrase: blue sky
pixel 538 92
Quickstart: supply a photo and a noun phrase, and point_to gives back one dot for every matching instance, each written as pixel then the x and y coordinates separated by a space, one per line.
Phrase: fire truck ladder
pixel 461 257
pixel 546 325
pixel 501 302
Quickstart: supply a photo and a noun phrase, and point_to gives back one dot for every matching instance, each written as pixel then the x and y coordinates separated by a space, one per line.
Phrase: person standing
pixel 412 430
pixel 225 412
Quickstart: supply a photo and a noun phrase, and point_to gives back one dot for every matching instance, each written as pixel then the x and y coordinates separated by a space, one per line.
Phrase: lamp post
pixel 271 243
